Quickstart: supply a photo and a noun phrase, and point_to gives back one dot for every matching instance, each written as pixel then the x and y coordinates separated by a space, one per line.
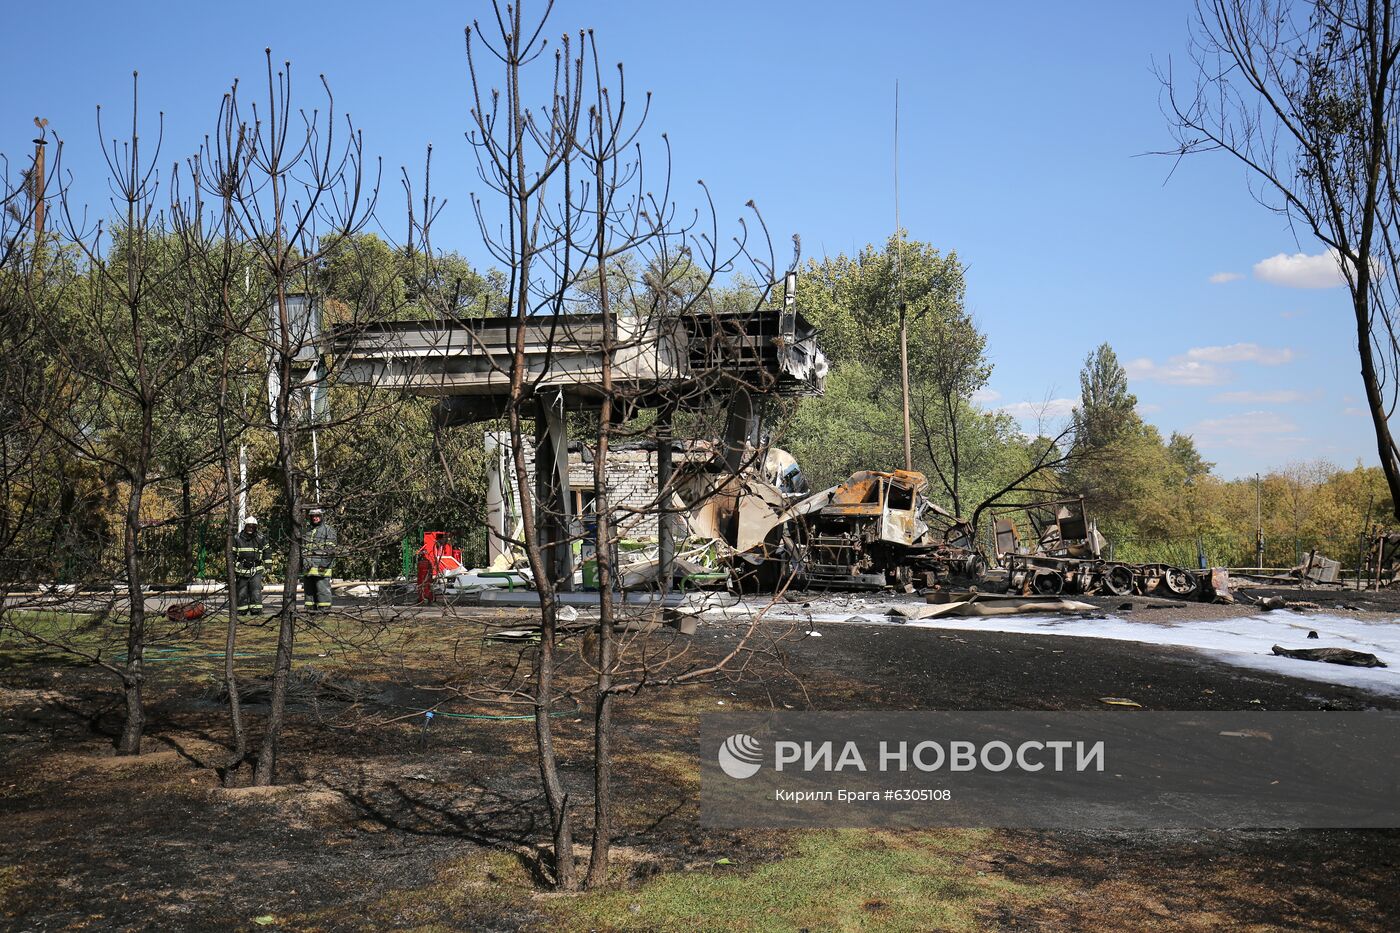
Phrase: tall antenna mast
pixel 899 279
pixel 899 270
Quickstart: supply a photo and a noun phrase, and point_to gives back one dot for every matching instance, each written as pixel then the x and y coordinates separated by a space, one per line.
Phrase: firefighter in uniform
pixel 249 563
pixel 317 553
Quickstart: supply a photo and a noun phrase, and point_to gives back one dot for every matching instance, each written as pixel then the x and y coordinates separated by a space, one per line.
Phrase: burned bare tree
pixel 518 155
pixel 294 193
pixel 596 261
pixel 22 384
pixel 1307 97
pixel 219 263
pixel 121 343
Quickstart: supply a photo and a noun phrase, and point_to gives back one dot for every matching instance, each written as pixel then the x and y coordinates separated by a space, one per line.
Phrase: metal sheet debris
pixel 991 604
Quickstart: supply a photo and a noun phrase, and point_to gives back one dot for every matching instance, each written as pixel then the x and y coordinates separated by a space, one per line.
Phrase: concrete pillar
pixel 498 524
pixel 552 499
pixel 666 545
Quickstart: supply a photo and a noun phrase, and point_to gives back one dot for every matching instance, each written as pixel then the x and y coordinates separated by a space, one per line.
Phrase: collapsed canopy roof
pixel 691 360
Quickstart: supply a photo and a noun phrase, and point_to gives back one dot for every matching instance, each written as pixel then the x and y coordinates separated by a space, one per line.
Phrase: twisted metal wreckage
pixel 738 512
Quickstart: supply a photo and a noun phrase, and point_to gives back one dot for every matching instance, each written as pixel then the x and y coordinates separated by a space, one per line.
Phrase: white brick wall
pixel 631 485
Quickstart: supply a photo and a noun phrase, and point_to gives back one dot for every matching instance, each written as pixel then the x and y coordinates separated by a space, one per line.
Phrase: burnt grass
pixel 373 807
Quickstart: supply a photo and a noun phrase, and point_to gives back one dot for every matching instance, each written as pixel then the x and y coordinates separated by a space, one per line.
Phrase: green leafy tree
pixel 1182 448
pixel 1106 407
pixel 855 301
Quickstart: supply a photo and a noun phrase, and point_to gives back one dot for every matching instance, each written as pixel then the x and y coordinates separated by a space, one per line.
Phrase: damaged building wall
pixel 632 484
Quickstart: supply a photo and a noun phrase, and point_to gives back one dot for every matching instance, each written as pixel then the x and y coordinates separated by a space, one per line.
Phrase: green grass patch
pixel 23 633
pixel 834 880
pixel 333 642
pixel 831 880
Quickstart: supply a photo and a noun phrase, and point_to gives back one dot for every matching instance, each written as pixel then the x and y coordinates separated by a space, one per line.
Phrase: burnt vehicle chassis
pixel 1047 576
pixel 1068 557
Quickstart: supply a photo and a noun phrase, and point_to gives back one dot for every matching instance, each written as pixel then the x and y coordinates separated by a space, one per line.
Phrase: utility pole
pixel 903 308
pixel 37 184
pixel 904 380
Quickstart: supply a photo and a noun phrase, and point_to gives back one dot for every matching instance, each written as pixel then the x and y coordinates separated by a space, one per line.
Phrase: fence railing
pixel 169 556
pixel 1215 550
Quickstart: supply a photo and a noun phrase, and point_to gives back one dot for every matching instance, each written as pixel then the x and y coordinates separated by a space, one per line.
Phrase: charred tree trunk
pixel 602 514
pixel 133 671
pixel 1375 402
pixel 1304 96
pixel 234 488
pixel 266 770
pixel 556 797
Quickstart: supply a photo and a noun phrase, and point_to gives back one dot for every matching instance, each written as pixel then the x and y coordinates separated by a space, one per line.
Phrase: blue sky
pixel 1022 133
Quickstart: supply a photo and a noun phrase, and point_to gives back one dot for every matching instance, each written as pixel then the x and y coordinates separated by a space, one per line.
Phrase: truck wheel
pixel 1118 580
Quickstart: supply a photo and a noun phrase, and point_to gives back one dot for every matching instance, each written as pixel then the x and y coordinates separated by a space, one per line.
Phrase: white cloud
pixel 1301 270
pixel 1200 366
pixel 1177 371
pixel 1242 353
pixel 1250 397
pixel 1260 432
pixel 1146 408
pixel 1049 410
pixel 985 395
pixel 1220 278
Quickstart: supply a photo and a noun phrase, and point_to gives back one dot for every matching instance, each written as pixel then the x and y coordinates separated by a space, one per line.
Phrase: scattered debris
pixel 1152 602
pixel 1331 656
pixel 1318 569
pixel 1220 585
pixel 509 635
pixel 185 612
pixel 988 604
pixel 1120 701
pixel 1383 558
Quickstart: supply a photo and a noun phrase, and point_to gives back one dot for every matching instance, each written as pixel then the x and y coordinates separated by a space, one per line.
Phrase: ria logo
pixel 741 756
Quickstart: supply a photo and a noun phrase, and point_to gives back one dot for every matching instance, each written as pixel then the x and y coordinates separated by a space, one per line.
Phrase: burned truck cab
pixel 880 529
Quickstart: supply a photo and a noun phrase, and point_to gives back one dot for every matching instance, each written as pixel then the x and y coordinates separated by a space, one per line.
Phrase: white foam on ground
pixel 1246 641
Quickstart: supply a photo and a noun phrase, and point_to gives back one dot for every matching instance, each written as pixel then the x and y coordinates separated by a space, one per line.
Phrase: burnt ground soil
pixel 374 811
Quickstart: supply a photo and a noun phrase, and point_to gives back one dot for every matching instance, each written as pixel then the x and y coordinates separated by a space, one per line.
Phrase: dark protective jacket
pixel 249 553
pixel 319 550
